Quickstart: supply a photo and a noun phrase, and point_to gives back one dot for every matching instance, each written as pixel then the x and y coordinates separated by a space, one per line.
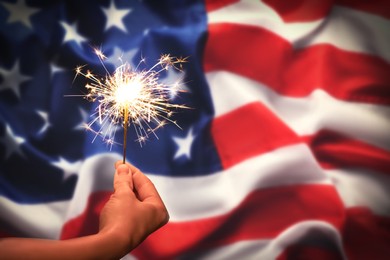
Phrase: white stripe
pixel 191 198
pixel 305 232
pixel 345 28
pixel 305 115
pixel 96 174
pixel 354 31
pixel 34 220
pixel 363 188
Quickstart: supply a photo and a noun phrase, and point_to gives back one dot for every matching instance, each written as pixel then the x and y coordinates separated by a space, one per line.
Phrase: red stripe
pixel 378 7
pixel 88 222
pixel 253 129
pixel 212 5
pixel 259 54
pixel 262 215
pixel 5 234
pixel 311 10
pixel 366 236
pixel 334 150
pixel 249 131
pixel 301 10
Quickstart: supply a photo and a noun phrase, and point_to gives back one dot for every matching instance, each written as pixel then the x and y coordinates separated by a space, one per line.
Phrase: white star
pixel 115 16
pixel 54 69
pixel 184 145
pixel 12 142
pixel 119 57
pixel 146 31
pixel 46 123
pixel 12 79
pixel 68 168
pixel 84 120
pixel 71 33
pixel 174 79
pixel 20 12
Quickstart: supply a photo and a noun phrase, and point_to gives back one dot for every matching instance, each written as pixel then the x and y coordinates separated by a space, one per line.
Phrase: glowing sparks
pixel 131 96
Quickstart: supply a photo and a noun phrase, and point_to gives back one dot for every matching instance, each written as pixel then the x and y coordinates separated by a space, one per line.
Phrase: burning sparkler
pixel 131 97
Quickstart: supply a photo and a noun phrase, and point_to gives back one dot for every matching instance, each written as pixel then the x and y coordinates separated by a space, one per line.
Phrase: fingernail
pixel 122 169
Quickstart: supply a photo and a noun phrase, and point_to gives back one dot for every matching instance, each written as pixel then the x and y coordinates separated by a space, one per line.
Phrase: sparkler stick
pixel 125 126
pixel 131 96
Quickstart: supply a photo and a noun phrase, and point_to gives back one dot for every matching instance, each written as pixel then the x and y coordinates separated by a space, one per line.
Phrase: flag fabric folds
pixel 283 154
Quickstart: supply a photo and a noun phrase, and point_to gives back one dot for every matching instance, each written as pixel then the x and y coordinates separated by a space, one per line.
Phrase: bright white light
pixel 128 92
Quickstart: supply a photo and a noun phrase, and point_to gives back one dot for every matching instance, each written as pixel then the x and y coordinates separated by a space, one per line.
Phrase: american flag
pixel 285 153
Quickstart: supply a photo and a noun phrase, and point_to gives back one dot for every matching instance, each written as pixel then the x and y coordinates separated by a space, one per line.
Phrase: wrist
pixel 115 242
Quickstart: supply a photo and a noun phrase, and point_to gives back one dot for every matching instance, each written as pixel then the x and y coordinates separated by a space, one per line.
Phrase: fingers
pixel 123 180
pixel 147 193
pixel 132 167
pixel 143 188
pixel 146 190
pixel 142 185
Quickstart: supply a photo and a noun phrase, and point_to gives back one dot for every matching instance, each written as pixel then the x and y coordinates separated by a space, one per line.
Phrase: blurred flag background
pixel 285 153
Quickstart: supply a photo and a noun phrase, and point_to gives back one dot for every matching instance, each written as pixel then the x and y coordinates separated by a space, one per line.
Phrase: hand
pixel 134 210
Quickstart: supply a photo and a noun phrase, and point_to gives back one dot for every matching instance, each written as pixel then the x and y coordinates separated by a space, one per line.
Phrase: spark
pixel 131 96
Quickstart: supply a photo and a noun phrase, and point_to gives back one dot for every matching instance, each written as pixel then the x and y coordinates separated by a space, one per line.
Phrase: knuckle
pixel 123 188
pixel 122 181
pixel 162 214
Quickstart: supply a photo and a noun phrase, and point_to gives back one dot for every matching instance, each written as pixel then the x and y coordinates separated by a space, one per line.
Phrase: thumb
pixel 122 169
pixel 123 179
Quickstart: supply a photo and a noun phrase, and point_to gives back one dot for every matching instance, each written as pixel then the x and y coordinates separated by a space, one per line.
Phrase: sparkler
pixel 131 96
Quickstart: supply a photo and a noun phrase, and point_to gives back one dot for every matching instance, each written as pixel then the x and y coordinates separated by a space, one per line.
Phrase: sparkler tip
pixel 100 54
pixel 131 97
